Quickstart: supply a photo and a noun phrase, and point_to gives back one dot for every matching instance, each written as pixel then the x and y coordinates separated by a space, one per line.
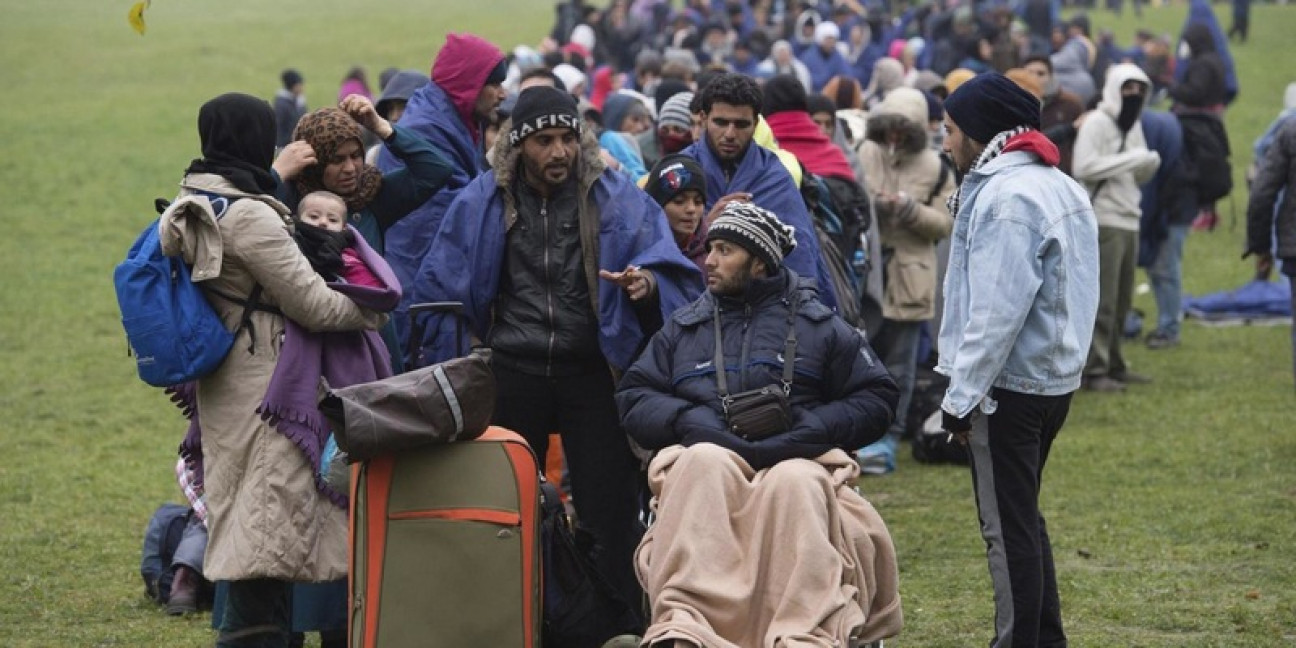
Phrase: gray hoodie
pixel 1112 165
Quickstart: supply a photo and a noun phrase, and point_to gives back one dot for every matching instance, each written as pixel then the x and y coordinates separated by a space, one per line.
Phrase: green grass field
pixel 1172 507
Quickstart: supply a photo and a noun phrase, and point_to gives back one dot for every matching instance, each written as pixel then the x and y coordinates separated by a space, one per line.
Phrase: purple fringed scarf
pixel 341 358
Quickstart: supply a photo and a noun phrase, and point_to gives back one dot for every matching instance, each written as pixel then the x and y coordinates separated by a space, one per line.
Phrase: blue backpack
pixel 172 330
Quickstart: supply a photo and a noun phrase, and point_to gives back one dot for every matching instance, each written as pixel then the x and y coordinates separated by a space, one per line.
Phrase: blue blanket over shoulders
pixel 433 117
pixel 763 176
pixel 464 261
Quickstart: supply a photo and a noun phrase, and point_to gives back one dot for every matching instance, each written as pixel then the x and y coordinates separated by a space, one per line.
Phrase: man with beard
pixel 564 268
pixel 772 512
pixel 450 113
pixel 1112 159
pixel 1020 299
pixel 730 107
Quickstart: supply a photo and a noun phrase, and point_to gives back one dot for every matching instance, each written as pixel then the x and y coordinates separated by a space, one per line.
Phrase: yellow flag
pixel 136 16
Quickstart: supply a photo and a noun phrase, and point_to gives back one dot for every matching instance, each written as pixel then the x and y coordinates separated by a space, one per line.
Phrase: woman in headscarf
pixel 269 523
pixel 327 154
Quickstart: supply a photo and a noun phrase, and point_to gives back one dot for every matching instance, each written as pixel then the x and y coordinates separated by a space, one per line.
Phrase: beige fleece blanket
pixel 787 557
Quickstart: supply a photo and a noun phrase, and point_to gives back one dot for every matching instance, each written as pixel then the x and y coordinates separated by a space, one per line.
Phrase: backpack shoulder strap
pixel 220 205
pixel 940 181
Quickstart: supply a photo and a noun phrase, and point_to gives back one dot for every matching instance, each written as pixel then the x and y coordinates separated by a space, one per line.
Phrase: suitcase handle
pixel 414 345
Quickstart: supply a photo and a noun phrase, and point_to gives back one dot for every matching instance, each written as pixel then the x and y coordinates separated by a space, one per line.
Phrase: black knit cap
pixel 756 230
pixel 498 74
pixel 674 173
pixel 991 103
pixel 541 107
pixel 668 88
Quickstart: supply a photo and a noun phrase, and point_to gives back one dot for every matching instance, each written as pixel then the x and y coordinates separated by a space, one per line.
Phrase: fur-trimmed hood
pixel 904 109
pixel 504 159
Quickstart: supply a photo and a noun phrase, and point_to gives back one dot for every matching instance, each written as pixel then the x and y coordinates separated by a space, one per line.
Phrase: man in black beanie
pixel 566 268
pixel 1021 295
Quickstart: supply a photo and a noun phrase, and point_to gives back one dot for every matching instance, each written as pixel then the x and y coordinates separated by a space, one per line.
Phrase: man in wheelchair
pixel 760 538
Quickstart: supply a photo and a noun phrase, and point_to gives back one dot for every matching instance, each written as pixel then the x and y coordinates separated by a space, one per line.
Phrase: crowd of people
pixel 712 245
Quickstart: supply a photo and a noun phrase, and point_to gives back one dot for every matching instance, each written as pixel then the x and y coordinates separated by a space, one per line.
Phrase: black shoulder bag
pixel 758 413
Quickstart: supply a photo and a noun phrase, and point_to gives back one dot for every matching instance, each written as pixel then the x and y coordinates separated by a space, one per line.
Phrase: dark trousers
pixel 897 342
pixel 604 473
pixel 257 614
pixel 1009 449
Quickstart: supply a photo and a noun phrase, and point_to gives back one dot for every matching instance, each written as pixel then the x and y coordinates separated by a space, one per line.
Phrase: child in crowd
pixel 323 237
pixel 679 186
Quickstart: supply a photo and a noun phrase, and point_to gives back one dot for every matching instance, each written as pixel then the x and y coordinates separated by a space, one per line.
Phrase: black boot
pixel 184 591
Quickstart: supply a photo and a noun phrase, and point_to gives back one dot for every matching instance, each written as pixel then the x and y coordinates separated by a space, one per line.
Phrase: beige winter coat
pixel 265 517
pixel 911 235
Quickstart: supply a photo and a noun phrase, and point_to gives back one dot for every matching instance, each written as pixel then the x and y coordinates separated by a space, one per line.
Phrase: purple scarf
pixel 342 358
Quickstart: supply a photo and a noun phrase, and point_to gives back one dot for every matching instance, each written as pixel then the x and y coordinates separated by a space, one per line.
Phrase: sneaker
pixel 1132 378
pixel 1205 221
pixel 878 458
pixel 1102 384
pixel 1160 340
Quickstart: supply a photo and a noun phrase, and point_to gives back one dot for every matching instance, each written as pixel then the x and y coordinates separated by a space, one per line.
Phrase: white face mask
pixel 1184 50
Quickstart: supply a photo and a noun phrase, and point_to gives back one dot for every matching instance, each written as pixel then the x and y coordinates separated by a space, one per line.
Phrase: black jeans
pixel 1009 449
pixel 258 614
pixel 604 473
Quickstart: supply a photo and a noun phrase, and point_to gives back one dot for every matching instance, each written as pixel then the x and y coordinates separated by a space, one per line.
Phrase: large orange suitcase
pixel 445 546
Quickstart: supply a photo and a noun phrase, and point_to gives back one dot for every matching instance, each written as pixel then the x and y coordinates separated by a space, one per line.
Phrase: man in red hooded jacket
pixel 465 90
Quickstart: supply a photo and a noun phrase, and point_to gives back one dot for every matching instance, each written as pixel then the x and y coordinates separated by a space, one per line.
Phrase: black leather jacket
pixel 544 319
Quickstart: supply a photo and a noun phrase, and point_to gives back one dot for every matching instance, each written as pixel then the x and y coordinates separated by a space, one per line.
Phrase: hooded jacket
pixel 441 112
pixel 401 87
pixel 1071 69
pixel 1202 84
pixel 618 224
pixel 841 395
pixel 1200 12
pixel 915 170
pixel 1166 199
pixel 1276 173
pixel 823 67
pixel 770 67
pixel 1263 142
pixel 1112 164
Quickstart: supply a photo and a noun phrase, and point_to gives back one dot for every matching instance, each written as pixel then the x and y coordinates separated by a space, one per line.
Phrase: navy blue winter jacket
pixel 842 395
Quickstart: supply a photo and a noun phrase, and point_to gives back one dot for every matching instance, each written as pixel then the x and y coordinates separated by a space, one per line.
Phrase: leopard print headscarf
pixel 325 130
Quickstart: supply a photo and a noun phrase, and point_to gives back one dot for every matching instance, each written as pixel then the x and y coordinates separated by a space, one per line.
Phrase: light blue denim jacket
pixel 1021 292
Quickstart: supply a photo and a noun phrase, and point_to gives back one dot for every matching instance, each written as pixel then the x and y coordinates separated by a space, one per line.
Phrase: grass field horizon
pixel 1172 507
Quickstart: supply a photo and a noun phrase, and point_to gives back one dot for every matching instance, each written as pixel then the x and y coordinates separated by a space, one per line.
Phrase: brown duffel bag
pixel 441 403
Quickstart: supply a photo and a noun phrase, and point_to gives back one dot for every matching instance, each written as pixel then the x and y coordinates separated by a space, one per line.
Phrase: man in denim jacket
pixel 1021 295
